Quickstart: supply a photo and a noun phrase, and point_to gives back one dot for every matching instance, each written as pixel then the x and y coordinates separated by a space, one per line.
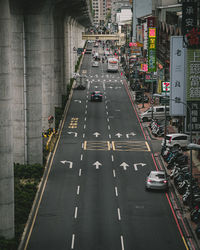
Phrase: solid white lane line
pixel 79 174
pixel 114 174
pixel 78 190
pixel 119 216
pixel 108 127
pixel 84 135
pixel 122 242
pixel 73 239
pixel 81 157
pixel 116 191
pixel 75 212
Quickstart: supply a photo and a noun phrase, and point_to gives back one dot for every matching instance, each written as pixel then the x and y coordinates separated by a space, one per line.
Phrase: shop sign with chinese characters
pixel 193 75
pixel 190 31
pixel 151 44
pixel 177 76
pixel 195 109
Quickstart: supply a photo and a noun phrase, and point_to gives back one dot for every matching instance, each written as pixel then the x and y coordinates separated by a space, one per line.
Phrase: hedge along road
pixel 94 195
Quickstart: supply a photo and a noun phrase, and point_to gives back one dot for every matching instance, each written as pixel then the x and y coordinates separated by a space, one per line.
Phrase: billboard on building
pixel 193 89
pixel 177 76
pixel 193 75
pixel 190 31
pixel 151 44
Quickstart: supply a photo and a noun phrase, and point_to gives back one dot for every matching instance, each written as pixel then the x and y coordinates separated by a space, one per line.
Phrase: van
pixel 158 113
pixel 176 140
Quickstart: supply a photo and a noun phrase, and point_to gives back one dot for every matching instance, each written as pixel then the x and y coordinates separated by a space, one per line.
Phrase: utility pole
pixel 134 22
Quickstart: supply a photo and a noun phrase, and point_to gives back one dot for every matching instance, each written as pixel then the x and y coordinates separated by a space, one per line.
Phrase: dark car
pixel 96 96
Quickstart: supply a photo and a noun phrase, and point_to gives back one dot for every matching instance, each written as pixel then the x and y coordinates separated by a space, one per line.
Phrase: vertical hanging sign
pixel 177 76
pixel 190 31
pixel 151 44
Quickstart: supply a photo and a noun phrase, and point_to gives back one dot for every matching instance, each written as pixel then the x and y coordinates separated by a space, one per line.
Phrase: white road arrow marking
pixel 97 164
pixel 65 162
pixel 75 134
pixel 79 101
pixel 96 134
pixel 138 164
pixel 118 135
pixel 132 134
pixel 124 165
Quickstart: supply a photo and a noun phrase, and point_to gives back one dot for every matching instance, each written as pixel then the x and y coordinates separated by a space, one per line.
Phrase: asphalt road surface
pixel 95 196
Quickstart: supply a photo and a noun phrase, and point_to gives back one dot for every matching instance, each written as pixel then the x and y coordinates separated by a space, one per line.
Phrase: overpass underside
pixel 37 60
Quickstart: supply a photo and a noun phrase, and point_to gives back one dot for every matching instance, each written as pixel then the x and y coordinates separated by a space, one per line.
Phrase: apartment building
pixel 100 11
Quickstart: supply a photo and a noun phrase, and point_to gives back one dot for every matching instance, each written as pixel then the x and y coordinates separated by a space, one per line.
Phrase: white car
pixel 95 64
pixel 176 140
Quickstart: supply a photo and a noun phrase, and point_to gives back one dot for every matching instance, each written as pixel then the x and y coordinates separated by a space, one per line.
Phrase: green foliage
pixel 26 179
pixel 58 116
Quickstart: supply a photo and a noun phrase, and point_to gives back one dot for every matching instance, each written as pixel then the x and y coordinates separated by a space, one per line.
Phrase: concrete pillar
pixel 18 89
pixel 6 142
pixel 34 88
pixel 58 59
pixel 71 47
pixel 67 61
pixel 47 46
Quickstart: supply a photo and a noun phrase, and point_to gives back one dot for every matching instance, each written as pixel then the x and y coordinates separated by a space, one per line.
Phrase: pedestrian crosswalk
pixel 117 145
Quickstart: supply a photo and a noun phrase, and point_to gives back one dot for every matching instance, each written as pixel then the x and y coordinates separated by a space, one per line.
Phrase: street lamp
pixel 191 145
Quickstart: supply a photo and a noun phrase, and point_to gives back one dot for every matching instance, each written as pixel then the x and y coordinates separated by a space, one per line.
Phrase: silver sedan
pixel 157 180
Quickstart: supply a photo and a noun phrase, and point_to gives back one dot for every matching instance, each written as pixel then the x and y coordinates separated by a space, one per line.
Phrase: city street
pixel 95 197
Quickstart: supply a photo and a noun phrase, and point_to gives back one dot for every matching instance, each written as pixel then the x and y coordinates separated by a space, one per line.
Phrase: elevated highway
pixel 37 60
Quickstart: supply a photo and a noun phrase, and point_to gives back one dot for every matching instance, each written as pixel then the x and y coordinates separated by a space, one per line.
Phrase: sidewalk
pixel 195 169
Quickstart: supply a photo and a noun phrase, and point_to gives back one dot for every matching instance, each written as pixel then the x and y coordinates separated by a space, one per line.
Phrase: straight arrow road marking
pixel 118 135
pixel 124 165
pixel 97 164
pixel 96 134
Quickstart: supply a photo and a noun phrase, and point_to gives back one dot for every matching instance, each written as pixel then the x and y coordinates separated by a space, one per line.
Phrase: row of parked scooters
pixel 188 187
pixel 157 127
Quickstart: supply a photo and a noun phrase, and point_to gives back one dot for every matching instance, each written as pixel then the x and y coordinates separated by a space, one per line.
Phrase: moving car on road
pixel 157 180
pixel 96 96
pixel 112 65
pixel 95 64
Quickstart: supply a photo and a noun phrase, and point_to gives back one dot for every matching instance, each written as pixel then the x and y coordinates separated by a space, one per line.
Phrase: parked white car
pixel 176 140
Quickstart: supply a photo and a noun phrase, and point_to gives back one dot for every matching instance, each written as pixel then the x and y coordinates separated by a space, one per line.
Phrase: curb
pixel 181 205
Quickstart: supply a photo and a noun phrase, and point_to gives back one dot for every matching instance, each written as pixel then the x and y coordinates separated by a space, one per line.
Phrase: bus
pixel 112 65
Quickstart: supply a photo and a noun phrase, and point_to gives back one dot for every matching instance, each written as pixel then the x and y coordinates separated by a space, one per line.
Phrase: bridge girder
pixel 103 37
